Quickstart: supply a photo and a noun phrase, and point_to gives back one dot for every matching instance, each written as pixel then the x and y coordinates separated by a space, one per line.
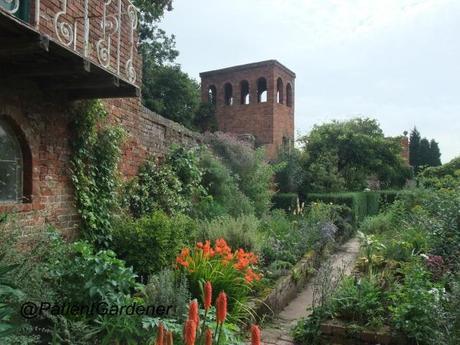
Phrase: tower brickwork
pixel 257 99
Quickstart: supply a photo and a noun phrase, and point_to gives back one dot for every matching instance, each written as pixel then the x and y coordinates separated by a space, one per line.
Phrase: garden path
pixel 278 331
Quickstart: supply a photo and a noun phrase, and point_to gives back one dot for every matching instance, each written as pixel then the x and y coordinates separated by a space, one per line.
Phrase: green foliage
pixel 356 202
pixel 415 306
pixel 173 186
pixel 422 152
pixel 358 301
pixel 96 152
pixel 240 232
pixel 155 188
pixel 172 93
pixel 288 175
pixel 7 290
pixel 222 187
pixel 169 289
pixel 253 174
pixel 342 155
pixel 445 176
pixel 307 330
pixel 81 275
pixel 285 201
pixel 151 243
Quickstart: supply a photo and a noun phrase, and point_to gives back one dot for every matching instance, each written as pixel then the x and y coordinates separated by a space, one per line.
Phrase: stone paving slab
pixel 278 331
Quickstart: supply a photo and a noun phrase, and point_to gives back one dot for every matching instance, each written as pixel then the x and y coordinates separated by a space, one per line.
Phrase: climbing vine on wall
pixel 96 153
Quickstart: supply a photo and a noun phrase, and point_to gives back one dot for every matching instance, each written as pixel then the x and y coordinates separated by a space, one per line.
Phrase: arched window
pixel 228 92
pixel 11 165
pixel 212 95
pixel 289 95
pixel 244 86
pixel 262 90
pixel 279 91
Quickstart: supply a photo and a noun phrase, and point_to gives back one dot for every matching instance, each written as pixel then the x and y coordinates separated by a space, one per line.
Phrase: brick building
pixel 257 99
pixel 53 52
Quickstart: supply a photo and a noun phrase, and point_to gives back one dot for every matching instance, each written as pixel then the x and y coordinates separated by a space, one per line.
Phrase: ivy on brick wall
pixel 96 153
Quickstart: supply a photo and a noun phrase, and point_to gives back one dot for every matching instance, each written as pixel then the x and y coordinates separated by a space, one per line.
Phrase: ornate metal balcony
pixel 85 47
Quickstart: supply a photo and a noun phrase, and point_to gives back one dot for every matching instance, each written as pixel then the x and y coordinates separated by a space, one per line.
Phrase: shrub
pixel 82 275
pixel 169 289
pixel 359 301
pixel 222 186
pixel 152 242
pixel 357 202
pixel 254 174
pixel 415 306
pixel 285 201
pixel 240 232
pixel 155 188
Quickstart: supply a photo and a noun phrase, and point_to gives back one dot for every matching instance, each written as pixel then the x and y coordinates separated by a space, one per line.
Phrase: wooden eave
pixel 28 54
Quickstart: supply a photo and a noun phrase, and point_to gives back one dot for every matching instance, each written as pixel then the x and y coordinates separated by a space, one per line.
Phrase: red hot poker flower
pixel 221 306
pixel 255 335
pixel 190 332
pixel 160 335
pixel 208 337
pixel 193 312
pixel 207 295
pixel 169 338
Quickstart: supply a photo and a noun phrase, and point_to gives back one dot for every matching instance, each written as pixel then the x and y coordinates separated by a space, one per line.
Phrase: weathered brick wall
pixel 269 121
pixel 45 125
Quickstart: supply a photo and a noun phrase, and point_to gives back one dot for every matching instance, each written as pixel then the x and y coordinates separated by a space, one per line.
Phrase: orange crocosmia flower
pixel 199 245
pixel 207 249
pixel 250 276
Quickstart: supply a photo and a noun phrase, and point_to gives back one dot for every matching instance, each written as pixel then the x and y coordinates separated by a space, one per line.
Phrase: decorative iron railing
pixel 100 30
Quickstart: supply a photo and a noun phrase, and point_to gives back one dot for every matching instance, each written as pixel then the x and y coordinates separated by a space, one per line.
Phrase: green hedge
pixel 362 204
pixel 285 201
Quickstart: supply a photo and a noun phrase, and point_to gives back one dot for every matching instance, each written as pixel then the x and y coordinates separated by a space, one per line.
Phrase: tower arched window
pixel 11 165
pixel 228 92
pixel 262 92
pixel 289 95
pixel 244 97
pixel 212 95
pixel 279 91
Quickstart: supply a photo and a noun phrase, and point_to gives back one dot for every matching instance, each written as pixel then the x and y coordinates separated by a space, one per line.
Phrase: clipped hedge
pixel 362 204
pixel 285 201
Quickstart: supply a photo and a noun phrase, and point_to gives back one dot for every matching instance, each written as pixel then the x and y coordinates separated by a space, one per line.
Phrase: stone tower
pixel 257 99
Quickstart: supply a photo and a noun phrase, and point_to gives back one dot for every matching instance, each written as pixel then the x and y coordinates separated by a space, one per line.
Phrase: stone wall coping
pixel 248 66
pixel 157 118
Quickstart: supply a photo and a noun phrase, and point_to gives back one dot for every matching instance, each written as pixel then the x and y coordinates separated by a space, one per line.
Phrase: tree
pixel 414 147
pixel 172 93
pixel 435 154
pixel 424 153
pixel 343 155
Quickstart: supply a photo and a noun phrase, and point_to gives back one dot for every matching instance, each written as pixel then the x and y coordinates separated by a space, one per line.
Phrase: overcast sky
pixel 394 60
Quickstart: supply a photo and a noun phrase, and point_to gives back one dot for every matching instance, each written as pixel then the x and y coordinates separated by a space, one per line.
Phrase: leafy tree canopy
pixel 344 154
pixel 166 89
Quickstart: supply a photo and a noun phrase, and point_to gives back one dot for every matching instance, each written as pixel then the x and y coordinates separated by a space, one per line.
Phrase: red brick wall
pixel 45 125
pixel 43 122
pixel 269 122
pixel 45 129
